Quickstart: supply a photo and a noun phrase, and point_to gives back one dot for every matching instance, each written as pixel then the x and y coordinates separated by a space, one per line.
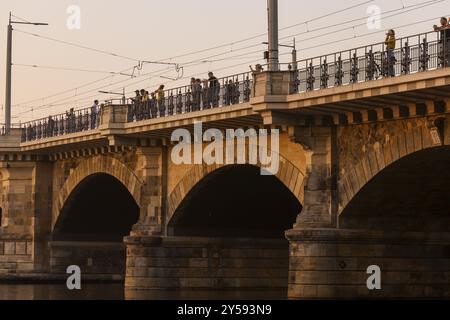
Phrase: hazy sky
pixel 159 29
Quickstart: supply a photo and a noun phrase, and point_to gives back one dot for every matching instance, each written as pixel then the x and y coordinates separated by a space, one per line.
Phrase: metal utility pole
pixel 272 9
pixel 9 70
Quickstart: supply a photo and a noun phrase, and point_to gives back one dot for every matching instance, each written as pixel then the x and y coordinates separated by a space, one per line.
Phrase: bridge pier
pixel 25 199
pixel 333 263
pixel 188 263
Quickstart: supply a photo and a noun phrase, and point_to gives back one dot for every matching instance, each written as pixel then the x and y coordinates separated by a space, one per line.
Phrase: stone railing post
pixel 113 115
pixel 273 83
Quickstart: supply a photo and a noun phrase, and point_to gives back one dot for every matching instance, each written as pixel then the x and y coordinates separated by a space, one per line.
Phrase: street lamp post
pixel 9 69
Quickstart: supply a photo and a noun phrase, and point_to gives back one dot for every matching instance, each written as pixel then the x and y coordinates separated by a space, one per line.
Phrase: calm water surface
pixel 117 292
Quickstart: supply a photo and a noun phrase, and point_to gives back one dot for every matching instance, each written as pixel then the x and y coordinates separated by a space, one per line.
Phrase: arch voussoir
pixel 379 157
pixel 91 166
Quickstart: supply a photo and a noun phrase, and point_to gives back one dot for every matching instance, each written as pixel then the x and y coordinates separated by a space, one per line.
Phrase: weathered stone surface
pixel 333 264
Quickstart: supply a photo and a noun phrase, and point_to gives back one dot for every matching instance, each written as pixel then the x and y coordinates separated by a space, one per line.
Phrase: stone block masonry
pixel 202 263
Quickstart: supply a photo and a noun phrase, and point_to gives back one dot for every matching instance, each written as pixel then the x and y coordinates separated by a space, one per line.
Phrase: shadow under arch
pixel 236 201
pixel 99 208
pixel 100 164
pixel 411 194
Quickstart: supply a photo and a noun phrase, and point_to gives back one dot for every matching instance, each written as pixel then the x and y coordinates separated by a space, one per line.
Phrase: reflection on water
pixel 117 292
pixel 60 292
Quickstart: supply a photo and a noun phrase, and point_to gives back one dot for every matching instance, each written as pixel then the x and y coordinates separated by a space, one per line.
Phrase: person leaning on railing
pixel 444 41
pixel 390 52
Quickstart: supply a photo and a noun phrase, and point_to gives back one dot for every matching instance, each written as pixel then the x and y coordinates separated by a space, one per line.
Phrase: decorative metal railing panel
pixel 418 53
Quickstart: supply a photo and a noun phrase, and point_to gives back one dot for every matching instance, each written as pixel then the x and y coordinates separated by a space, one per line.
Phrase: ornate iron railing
pixel 70 122
pixel 418 53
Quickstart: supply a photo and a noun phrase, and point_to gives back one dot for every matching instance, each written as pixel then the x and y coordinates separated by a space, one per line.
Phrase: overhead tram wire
pixel 194 61
pixel 39 108
pixel 69 69
pixel 365 34
pixel 77 45
pixel 193 52
pixel 56 102
pixel 69 90
pixel 263 34
pixel 412 8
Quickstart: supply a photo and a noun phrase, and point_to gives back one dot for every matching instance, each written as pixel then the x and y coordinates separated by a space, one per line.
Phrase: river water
pixel 118 292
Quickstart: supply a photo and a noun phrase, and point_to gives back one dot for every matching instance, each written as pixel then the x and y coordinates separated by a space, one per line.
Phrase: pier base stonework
pixel 205 263
pixel 332 264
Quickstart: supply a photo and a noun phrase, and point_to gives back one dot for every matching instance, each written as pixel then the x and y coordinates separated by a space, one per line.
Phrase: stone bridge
pixel 363 180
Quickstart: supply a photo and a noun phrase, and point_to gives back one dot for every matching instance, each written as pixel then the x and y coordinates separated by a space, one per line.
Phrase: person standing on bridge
pixel 160 96
pixel 133 107
pixel 229 92
pixel 145 105
pixel 50 126
pixel 94 114
pixel 390 52
pixel 214 87
pixel 444 41
pixel 179 103
pixel 205 95
pixel 237 91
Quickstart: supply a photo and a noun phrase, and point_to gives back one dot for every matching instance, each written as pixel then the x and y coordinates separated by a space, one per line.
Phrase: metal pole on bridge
pixel 9 69
pixel 272 10
pixel 8 78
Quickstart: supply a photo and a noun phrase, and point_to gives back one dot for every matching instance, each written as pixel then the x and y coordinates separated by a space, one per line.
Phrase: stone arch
pixel 95 165
pixel 291 176
pixel 379 156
